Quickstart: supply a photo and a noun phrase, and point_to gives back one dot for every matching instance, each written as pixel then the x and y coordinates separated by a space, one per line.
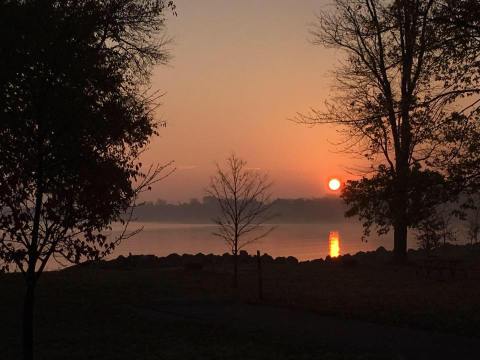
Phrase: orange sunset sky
pixel 240 70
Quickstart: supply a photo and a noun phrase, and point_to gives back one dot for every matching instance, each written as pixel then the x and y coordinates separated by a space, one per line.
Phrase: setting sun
pixel 334 184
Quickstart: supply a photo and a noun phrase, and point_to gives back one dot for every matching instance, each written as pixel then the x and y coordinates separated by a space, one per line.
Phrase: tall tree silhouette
pixel 74 120
pixel 459 24
pixel 243 196
pixel 391 109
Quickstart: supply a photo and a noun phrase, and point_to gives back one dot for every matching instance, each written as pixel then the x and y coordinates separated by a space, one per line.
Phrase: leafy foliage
pixel 372 199
pixel 74 120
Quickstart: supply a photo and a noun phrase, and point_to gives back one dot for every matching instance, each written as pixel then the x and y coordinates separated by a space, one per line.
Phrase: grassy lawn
pixel 381 293
pixel 88 315
pixel 91 313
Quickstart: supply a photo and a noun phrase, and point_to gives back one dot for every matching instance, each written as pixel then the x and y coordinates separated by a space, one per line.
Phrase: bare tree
pixel 244 198
pixel 390 108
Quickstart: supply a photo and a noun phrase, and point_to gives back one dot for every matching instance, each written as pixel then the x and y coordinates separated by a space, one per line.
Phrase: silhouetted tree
pixel 459 73
pixel 243 196
pixel 74 120
pixel 458 22
pixel 437 228
pixel 473 225
pixel 390 108
pixel 471 216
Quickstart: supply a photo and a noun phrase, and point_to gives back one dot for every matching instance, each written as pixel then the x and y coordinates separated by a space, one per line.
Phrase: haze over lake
pixel 303 241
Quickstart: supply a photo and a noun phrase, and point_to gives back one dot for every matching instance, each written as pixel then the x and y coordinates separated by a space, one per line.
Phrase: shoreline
pixel 461 252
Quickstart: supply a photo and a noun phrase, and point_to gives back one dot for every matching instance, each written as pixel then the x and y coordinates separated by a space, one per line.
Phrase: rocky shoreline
pixel 466 254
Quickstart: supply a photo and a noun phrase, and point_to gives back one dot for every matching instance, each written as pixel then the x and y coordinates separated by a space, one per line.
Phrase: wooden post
pixel 260 279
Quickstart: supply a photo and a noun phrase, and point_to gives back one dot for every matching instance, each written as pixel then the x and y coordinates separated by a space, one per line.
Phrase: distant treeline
pixel 319 210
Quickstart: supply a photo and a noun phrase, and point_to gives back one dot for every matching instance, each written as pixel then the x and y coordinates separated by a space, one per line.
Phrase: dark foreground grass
pixel 95 313
pixel 382 293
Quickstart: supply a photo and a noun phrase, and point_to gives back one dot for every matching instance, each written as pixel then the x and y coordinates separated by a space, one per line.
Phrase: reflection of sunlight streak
pixel 334 243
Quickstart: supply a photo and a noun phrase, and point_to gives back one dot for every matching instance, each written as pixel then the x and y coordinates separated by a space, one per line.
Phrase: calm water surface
pixel 304 241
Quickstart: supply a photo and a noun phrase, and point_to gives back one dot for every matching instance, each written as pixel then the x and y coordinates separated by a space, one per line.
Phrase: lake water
pixel 304 241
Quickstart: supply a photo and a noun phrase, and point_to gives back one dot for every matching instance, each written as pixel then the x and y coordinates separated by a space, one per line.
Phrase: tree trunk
pixel 235 270
pixel 28 306
pixel 400 208
pixel 260 276
pixel 400 243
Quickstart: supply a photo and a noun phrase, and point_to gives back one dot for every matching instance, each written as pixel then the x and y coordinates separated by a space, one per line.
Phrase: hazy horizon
pixel 239 71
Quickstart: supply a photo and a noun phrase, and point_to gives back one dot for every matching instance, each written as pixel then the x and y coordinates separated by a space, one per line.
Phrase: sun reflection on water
pixel 334 244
